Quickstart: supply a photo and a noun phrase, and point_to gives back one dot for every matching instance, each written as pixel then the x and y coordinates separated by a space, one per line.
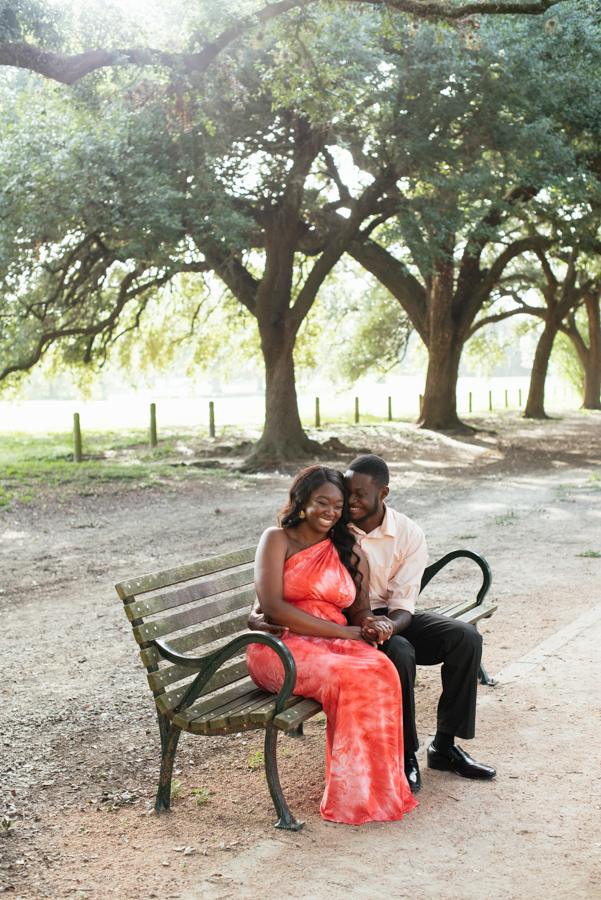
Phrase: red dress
pixel 359 690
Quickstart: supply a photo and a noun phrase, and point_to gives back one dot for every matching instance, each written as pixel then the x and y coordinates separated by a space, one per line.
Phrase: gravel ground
pixel 79 738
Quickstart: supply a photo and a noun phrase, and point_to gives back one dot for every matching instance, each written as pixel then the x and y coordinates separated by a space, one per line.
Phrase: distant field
pixel 240 406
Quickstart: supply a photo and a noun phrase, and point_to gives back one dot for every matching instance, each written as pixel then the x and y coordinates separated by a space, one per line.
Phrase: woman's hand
pixel 355 633
pixel 376 629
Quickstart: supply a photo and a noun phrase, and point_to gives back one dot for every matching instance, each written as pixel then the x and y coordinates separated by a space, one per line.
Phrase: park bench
pixel 203 607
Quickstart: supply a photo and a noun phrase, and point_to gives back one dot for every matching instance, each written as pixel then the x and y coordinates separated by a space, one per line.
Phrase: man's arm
pixel 405 583
pixel 258 622
pixel 400 619
pixel 375 629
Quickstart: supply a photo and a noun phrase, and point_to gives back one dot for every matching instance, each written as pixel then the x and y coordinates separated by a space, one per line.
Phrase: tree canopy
pixel 435 158
pixel 37 35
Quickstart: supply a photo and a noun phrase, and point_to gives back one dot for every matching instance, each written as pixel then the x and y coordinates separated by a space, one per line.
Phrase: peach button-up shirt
pixel 397 555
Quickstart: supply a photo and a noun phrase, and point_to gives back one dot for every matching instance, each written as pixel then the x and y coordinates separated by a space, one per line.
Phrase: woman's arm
pixel 269 582
pixel 374 628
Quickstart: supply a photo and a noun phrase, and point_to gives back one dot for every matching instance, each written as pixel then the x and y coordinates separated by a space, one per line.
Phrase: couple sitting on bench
pixel 341 555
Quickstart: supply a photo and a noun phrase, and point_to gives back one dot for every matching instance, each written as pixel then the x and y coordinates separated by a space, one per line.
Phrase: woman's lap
pixel 324 664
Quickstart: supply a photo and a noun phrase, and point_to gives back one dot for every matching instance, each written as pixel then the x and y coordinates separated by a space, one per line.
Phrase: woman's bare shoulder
pixel 273 546
pixel 273 538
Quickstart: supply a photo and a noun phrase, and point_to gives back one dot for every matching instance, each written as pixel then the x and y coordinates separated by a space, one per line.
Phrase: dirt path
pixel 79 760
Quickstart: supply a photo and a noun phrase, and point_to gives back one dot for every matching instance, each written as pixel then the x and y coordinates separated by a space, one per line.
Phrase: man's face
pixel 365 497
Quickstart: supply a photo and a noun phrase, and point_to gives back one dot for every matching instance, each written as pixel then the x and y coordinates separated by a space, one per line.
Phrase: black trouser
pixel 429 640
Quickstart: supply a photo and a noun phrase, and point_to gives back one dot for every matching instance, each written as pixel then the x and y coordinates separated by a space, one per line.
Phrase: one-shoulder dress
pixel 359 690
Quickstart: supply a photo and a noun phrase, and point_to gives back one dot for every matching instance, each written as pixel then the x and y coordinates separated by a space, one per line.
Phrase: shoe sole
pixel 441 767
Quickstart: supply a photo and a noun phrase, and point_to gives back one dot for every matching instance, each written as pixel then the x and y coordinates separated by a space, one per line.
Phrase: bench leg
pixel 486 679
pixel 286 820
pixel 169 739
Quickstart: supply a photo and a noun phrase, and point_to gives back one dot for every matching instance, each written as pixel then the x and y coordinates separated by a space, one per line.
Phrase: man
pixel 395 548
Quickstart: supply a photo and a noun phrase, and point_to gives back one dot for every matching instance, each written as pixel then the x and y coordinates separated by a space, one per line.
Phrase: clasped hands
pixel 373 630
pixel 376 629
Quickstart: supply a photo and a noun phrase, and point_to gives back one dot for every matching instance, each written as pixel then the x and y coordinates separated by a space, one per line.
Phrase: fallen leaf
pixel 178 849
pixel 189 851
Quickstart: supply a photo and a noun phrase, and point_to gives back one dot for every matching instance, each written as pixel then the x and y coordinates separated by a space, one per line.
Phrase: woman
pixel 306 573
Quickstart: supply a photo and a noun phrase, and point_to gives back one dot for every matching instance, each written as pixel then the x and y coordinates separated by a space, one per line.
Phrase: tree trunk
pixel 445 343
pixel 439 405
pixel 283 439
pixel 535 405
pixel 592 369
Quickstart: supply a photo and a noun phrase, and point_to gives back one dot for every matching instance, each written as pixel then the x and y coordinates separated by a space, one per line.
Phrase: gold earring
pixel 302 514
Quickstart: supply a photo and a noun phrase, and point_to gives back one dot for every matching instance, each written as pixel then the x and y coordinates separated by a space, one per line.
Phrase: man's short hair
pixel 374 466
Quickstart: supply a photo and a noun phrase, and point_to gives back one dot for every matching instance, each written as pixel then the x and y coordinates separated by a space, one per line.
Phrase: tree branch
pixel 489 320
pixel 69 69
pixel 393 275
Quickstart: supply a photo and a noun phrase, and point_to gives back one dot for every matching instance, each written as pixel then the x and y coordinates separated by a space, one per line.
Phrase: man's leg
pixel 458 646
pixel 438 639
pixel 400 652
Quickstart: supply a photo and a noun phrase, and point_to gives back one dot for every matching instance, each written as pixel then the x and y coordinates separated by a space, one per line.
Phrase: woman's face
pixel 324 507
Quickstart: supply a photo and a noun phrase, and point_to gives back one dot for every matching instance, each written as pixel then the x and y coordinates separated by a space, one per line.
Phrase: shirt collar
pixel 386 529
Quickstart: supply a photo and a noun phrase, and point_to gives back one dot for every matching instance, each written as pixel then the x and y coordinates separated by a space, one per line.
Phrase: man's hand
pixel 377 628
pixel 258 622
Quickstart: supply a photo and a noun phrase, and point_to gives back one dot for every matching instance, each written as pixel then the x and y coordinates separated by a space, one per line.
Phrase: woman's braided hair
pixel 303 486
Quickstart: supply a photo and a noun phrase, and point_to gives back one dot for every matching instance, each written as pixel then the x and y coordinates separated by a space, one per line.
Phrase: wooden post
pixel 153 425
pixel 211 419
pixel 356 410
pixel 520 396
pixel 317 416
pixel 506 399
pixel 390 409
pixel 420 403
pixel 77 454
pixel 470 401
pixel 490 401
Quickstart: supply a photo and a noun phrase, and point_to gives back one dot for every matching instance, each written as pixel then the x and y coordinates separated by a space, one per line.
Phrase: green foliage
pixel 201 796
pixel 118 194
pixel 507 518
pixel 257 760
pixel 354 329
pixel 31 466
pixel 566 362
pixel 484 351
pixel 591 553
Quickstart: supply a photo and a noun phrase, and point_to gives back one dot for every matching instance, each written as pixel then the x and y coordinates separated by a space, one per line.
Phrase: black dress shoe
pixel 456 760
pixel 412 773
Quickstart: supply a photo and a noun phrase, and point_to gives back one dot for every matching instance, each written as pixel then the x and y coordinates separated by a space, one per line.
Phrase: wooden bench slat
pixel 290 719
pixel 150 656
pixel 239 712
pixel 264 714
pixel 202 707
pixel 477 613
pixel 186 572
pixel 156 628
pixel 190 594
pixel 454 609
pixel 174 673
pixel 223 677
pixel 243 716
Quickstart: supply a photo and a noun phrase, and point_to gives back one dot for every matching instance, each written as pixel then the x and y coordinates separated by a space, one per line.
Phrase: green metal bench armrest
pixel 208 665
pixel 435 568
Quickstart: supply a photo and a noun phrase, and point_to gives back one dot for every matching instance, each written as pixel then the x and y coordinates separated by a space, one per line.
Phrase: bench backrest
pixel 195 607
pixel 198 607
